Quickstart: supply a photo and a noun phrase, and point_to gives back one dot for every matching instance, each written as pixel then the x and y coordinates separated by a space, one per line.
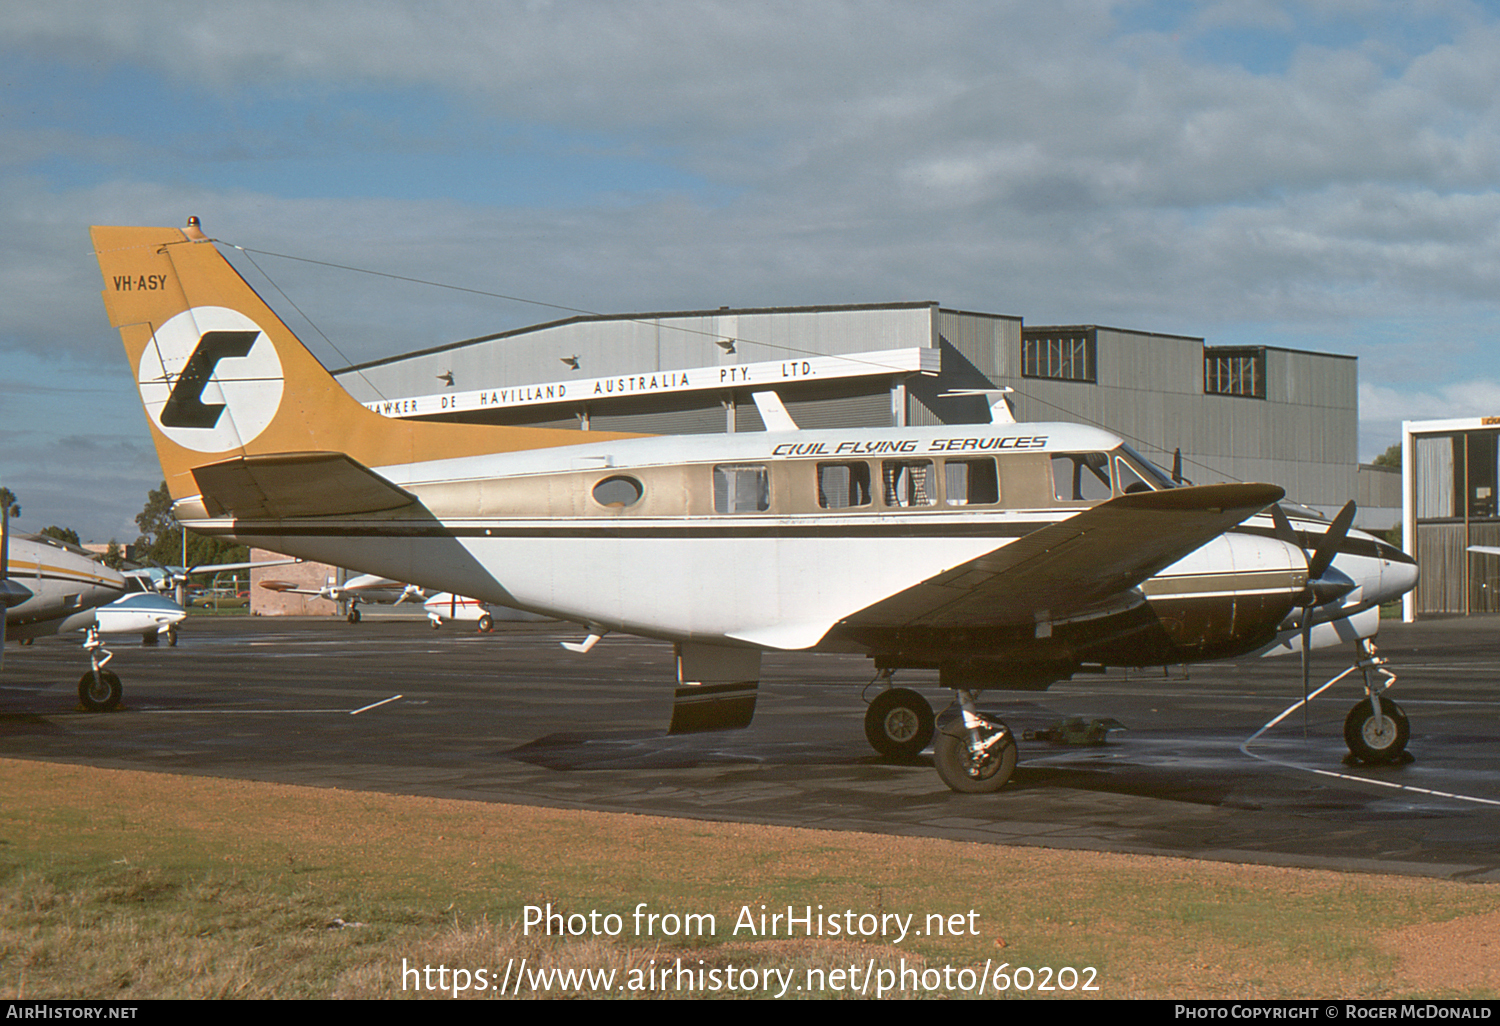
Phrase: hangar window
pixel 970 482
pixel 1081 476
pixel 841 485
pixel 1235 372
pixel 908 483
pixel 741 488
pixel 617 492
pixel 1065 354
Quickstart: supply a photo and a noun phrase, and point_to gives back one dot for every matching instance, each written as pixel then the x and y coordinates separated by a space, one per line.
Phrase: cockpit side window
pixel 1081 476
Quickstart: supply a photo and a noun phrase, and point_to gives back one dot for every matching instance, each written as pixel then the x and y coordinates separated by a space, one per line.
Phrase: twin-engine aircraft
pixel 373 588
pixel 1003 555
pixel 48 587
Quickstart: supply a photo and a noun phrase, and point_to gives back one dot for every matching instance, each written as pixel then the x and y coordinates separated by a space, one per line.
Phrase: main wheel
pixel 486 624
pixel 898 723
pixel 1373 739
pixel 353 615
pixel 101 694
pixel 962 772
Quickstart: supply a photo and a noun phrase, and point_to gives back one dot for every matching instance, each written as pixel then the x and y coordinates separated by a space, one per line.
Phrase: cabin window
pixel 908 483
pixel 970 482
pixel 617 492
pixel 741 488
pixel 841 485
pixel 1081 476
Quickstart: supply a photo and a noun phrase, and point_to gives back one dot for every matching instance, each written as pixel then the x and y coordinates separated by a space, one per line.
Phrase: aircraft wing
pixel 1075 563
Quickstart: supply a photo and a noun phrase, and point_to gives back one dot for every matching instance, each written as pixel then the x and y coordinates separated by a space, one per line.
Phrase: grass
pixel 130 885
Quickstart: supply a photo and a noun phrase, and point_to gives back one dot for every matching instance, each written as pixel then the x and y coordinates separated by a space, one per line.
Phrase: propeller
pixel 1325 582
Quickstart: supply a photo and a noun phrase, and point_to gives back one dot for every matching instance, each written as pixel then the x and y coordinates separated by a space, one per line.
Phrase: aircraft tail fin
pixel 223 378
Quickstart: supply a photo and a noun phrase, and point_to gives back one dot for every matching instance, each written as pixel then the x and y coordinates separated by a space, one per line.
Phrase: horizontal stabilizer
pixel 284 485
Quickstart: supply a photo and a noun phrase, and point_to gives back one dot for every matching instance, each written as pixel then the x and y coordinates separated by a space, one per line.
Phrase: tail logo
pixel 211 379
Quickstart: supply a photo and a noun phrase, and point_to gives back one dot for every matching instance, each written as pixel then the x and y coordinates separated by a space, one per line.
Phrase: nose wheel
pixel 1376 730
pixel 99 690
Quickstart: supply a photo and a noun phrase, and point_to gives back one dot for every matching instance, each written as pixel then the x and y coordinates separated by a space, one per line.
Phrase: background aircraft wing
pixel 1073 564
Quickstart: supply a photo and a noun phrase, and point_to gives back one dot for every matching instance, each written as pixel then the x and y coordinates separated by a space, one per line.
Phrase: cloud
pixel 1288 169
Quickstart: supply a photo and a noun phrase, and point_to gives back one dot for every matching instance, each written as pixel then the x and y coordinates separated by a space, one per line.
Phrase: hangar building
pixel 1451 470
pixel 1237 413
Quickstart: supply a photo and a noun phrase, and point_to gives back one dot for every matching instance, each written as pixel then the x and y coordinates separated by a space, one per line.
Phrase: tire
pixel 101 695
pixel 956 766
pixel 353 616
pixel 486 624
pixel 898 723
pixel 1370 741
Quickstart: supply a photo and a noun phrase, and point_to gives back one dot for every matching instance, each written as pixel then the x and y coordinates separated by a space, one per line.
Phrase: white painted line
pixel 1245 748
pixel 374 705
pixel 234 712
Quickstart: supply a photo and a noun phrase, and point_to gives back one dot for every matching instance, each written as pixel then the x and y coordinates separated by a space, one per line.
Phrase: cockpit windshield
pixel 1156 477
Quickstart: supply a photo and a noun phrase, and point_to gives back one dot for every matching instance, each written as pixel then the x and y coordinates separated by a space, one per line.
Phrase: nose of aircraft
pixel 1396 579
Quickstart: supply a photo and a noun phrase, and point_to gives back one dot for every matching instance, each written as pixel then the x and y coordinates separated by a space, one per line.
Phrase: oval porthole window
pixel 617 492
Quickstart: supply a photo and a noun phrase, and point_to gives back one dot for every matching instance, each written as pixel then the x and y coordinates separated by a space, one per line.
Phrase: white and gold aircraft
pixel 49 587
pixel 1003 555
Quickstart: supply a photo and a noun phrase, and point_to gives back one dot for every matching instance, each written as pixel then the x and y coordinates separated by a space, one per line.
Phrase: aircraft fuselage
pixel 782 540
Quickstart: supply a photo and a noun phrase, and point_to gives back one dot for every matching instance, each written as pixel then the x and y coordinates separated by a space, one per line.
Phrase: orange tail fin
pixel 222 377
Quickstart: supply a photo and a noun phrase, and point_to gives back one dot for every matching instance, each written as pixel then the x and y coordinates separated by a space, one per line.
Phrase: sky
pixel 1321 175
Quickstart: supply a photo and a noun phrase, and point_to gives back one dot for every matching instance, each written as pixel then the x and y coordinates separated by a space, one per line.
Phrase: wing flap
pixel 1075 564
pixel 285 485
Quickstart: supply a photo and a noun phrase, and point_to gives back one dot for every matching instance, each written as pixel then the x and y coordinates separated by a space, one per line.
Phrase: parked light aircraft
pixel 50 587
pixel 1003 555
pixel 374 588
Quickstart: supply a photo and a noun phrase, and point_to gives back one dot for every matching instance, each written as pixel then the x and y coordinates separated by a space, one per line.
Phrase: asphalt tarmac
pixel 391 705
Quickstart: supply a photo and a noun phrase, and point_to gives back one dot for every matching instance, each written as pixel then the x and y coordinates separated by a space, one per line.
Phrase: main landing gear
pixel 974 753
pixel 99 690
pixel 898 723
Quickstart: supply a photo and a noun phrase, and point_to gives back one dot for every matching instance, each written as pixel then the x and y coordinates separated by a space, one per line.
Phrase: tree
pixel 114 557
pixel 155 519
pixel 161 538
pixel 8 500
pixel 62 534
pixel 1390 458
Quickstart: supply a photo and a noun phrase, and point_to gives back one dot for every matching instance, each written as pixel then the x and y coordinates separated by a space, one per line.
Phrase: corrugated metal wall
pixel 1149 388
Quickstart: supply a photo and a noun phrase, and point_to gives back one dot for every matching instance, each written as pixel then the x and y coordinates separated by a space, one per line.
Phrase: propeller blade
pixel 1306 663
pixel 1328 545
pixel 1177 466
pixel 1284 530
